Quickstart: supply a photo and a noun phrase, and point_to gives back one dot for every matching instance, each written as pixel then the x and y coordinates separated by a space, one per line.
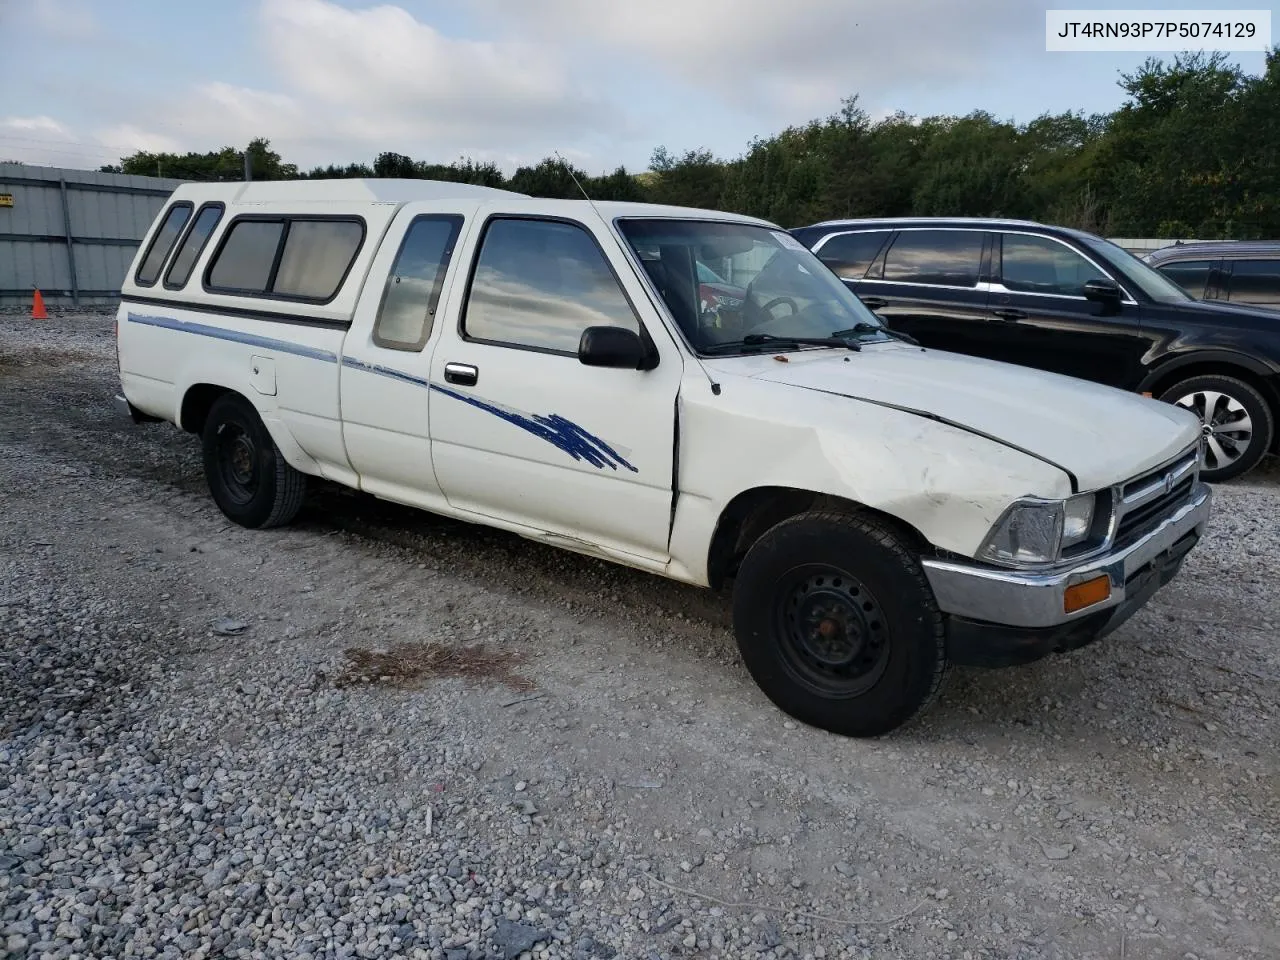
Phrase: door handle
pixel 1008 313
pixel 463 374
pixel 874 303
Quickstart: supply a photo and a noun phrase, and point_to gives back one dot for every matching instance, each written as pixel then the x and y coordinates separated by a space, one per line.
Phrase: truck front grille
pixel 1146 500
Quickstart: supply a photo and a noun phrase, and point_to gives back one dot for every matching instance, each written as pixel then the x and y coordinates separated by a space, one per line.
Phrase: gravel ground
pixel 193 765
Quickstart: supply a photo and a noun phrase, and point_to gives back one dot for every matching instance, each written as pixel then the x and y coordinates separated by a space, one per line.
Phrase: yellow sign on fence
pixel 6 199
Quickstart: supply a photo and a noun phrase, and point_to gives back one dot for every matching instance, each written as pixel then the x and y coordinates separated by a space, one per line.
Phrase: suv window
pixel 162 243
pixel 539 284
pixel 942 257
pixel 412 290
pixel 1041 265
pixel 849 254
pixel 1255 281
pixel 1191 275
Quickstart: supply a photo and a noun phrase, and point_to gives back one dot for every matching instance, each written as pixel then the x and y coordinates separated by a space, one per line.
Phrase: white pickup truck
pixel 688 392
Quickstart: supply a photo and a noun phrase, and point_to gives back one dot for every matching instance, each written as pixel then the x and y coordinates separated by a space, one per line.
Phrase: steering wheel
pixel 768 307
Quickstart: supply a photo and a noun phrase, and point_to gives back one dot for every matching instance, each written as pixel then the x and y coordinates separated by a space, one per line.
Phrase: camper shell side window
pixel 162 242
pixel 192 244
pixel 303 258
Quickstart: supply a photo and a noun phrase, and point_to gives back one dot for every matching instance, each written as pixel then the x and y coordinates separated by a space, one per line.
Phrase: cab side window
pixel 538 284
pixel 1041 265
pixel 411 293
pixel 951 258
pixel 1255 281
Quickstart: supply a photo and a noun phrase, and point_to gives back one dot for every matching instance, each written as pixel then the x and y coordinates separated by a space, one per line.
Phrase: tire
pixel 1229 453
pixel 829 572
pixel 248 478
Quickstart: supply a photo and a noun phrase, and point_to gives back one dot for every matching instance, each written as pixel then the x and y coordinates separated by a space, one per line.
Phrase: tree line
pixel 1193 151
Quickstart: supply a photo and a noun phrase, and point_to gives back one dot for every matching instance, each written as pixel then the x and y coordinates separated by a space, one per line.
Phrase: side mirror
pixel 617 347
pixel 1102 291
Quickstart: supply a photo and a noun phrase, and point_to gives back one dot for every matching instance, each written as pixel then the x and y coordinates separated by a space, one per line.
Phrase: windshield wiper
pixel 863 327
pixel 766 339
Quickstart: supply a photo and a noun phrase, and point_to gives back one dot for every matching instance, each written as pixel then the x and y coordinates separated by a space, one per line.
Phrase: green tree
pixel 225 164
pixel 694 179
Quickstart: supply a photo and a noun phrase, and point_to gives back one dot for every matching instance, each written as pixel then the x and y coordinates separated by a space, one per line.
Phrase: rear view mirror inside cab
pixel 725 246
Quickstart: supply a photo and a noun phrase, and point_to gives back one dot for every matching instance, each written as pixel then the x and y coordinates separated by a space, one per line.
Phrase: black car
pixel 1069 302
pixel 1238 271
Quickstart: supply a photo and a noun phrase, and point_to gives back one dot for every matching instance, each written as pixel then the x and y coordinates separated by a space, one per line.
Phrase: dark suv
pixel 1238 271
pixel 1072 303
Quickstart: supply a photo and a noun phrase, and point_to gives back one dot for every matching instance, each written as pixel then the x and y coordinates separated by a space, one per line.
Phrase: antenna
pixel 569 170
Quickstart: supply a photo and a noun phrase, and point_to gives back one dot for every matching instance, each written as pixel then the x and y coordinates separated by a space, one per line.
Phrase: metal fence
pixel 71 233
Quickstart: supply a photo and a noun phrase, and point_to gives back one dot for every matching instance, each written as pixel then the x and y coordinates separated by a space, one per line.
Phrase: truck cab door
pixel 524 433
pixel 385 373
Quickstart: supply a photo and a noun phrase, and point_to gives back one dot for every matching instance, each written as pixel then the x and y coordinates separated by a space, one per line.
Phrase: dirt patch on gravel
pixel 409 666
pixel 38 357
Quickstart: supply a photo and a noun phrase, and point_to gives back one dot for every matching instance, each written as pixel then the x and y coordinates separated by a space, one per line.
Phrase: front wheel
pixel 1237 423
pixel 837 624
pixel 249 480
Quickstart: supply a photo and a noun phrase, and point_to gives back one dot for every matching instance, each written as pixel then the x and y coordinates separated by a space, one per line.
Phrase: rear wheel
pixel 250 481
pixel 1237 422
pixel 837 624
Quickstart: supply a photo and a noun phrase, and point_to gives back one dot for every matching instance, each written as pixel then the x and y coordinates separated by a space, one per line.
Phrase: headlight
pixel 1077 519
pixel 1037 531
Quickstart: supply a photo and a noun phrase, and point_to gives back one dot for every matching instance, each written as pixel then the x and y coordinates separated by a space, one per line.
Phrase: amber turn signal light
pixel 1086 594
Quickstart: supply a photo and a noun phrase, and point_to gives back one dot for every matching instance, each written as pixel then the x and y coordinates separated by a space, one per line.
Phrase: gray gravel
pixel 183 775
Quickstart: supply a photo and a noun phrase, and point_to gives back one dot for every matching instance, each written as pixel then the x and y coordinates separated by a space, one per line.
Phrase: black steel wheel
pixel 238 462
pixel 832 631
pixel 248 478
pixel 837 624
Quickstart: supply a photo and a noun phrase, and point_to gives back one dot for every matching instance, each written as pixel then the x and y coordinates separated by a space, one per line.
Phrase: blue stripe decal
pixel 554 429
pixel 382 371
pixel 235 336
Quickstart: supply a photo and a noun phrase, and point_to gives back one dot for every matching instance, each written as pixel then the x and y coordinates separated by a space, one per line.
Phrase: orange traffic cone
pixel 37 307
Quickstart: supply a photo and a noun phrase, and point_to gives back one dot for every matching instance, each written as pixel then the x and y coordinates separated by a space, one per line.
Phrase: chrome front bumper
pixel 1036 600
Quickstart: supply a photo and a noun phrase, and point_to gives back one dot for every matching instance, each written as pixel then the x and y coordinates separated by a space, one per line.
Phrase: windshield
pixel 1151 282
pixel 767 283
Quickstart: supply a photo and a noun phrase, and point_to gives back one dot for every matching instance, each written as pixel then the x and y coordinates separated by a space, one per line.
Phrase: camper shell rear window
pixel 303 258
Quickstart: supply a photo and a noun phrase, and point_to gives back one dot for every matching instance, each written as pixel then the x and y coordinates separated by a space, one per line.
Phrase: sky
pixel 603 82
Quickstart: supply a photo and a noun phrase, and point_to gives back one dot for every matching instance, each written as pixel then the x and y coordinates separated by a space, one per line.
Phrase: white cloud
pixel 125 138
pixel 350 83
pixel 36 126
pixel 381 62
pixel 792 59
pixel 342 81
pixel 45 141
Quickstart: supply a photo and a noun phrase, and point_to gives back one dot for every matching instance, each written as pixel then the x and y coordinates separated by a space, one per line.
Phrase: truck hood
pixel 1098 434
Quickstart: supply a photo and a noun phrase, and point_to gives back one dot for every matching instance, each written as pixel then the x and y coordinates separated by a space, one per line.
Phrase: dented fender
pixel 946 482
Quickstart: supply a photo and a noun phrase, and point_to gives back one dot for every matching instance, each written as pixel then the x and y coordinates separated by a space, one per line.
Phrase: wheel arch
pixel 1221 363
pixel 198 399
pixel 746 518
